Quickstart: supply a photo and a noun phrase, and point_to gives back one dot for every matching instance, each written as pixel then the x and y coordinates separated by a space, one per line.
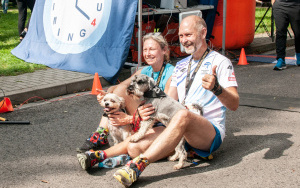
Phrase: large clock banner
pixel 80 35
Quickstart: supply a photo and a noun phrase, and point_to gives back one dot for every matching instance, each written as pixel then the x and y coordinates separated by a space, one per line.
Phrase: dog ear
pixel 102 101
pixel 134 78
pixel 122 102
pixel 151 83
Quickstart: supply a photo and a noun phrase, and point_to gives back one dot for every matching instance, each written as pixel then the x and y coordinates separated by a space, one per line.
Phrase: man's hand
pixel 208 80
pixel 272 1
pixel 100 95
pixel 146 110
pixel 119 119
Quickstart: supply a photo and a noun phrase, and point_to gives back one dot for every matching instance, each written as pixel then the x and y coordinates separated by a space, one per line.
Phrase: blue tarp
pixel 85 36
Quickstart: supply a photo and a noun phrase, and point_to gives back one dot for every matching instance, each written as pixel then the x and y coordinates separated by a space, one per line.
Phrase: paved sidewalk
pixel 54 82
pixel 45 84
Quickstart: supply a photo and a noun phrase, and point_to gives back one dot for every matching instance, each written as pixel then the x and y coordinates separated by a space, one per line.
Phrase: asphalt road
pixel 261 147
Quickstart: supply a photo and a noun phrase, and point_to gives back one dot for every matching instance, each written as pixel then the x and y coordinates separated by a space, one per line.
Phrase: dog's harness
pixel 156 92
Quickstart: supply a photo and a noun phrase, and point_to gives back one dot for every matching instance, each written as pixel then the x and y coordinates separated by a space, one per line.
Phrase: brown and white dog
pixel 143 87
pixel 113 103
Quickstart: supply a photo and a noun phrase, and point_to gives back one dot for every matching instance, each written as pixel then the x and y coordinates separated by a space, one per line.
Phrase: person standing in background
pixel 4 5
pixel 22 8
pixel 286 12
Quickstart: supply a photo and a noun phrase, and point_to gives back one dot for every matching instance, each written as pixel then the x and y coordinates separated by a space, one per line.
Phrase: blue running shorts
pixel 214 146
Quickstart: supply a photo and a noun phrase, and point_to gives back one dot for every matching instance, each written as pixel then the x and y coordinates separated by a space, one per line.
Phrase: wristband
pixel 217 90
pixel 216 86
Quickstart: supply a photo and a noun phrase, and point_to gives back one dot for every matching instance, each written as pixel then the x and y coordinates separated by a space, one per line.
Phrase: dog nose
pixel 106 104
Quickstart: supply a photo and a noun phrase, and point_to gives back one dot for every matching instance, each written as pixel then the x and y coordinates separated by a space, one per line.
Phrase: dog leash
pixel 136 123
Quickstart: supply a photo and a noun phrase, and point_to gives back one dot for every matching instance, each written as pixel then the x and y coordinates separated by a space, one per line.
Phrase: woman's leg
pixel 90 158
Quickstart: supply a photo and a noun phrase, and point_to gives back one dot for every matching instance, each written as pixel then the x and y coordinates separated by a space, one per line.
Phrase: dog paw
pixel 134 139
pixel 178 166
pixel 172 158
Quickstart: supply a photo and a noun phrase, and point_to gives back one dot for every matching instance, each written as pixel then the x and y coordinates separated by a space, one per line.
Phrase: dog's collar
pixel 106 114
pixel 156 92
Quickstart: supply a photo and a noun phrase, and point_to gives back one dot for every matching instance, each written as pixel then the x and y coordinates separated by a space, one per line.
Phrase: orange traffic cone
pixel 96 85
pixel 6 106
pixel 243 59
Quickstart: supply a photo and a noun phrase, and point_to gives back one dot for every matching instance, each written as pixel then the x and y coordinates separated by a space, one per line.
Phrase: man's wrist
pixel 219 91
pixel 216 86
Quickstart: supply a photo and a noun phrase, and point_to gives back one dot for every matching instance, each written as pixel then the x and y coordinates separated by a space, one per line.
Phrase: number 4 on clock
pixel 94 22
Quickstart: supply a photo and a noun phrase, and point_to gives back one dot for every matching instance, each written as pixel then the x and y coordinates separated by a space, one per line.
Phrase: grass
pixel 9 39
pixel 259 13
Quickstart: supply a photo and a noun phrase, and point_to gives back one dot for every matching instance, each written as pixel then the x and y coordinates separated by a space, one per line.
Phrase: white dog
pixel 113 103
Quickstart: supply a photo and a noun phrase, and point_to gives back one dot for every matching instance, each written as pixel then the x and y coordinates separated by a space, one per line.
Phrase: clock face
pixel 74 26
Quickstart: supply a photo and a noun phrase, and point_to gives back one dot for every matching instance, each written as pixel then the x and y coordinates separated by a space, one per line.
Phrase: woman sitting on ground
pixel 157 55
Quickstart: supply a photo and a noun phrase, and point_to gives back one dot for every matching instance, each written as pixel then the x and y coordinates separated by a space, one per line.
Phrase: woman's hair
pixel 161 41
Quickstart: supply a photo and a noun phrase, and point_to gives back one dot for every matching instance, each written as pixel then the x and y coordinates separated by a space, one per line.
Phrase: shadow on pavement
pixel 233 150
pixel 230 154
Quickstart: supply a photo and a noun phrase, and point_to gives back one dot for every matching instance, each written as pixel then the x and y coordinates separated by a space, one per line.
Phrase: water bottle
pixel 114 161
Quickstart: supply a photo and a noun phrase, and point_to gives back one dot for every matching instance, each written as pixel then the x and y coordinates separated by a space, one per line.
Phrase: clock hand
pixel 81 11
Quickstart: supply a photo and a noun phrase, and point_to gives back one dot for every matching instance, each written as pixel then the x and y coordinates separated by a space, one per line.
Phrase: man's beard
pixel 192 48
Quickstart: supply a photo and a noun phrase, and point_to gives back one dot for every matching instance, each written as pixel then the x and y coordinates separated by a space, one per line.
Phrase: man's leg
pixel 294 16
pixel 281 22
pixel 30 5
pixel 135 149
pixel 22 8
pixel 198 132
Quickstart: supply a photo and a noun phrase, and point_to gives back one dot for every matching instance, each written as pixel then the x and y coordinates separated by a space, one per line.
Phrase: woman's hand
pixel 100 95
pixel 145 111
pixel 119 119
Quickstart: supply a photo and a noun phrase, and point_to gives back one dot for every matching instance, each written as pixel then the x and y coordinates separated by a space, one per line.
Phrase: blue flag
pixel 80 35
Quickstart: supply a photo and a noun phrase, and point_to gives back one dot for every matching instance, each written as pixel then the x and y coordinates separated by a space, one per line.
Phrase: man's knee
pixel 134 149
pixel 182 116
